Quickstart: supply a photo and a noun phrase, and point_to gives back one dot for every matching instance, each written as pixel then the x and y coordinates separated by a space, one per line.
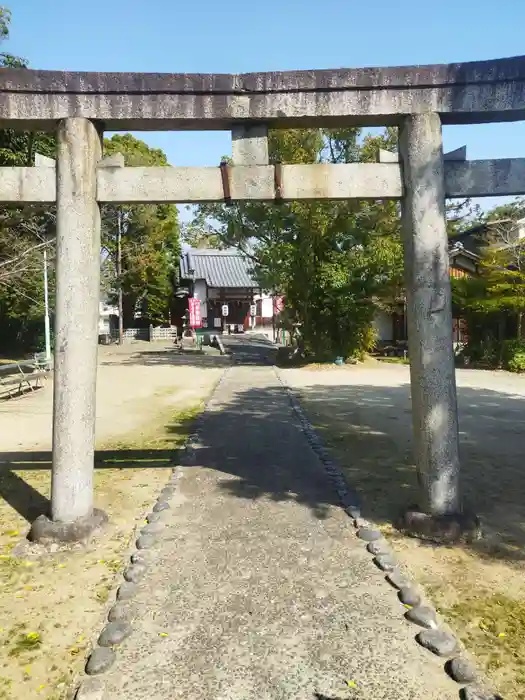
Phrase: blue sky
pixel 234 36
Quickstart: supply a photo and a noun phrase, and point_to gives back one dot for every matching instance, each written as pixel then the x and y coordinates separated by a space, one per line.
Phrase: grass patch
pixel 127 480
pixel 24 643
pixel 494 625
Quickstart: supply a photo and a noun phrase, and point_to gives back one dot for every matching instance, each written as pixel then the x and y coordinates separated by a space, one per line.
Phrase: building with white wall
pixel 224 278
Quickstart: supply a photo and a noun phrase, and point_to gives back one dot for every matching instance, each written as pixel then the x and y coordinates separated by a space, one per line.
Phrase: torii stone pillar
pixel 76 334
pixel 427 276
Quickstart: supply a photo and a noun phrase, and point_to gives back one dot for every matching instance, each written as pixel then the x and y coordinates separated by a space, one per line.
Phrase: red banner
pixel 194 306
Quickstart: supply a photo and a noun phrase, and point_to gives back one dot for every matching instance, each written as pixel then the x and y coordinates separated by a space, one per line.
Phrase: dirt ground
pixel 52 604
pixel 364 415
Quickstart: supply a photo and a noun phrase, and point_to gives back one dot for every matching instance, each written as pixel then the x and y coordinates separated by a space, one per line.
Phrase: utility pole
pixel 119 276
pixel 45 162
pixel 46 313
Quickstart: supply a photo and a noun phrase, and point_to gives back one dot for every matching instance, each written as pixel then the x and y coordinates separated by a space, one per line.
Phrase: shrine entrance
pixel 418 100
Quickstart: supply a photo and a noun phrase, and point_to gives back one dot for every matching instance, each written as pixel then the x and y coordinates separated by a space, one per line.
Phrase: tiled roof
pixel 220 268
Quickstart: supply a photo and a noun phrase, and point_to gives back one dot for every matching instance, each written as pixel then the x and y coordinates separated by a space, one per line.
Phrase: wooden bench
pixel 17 376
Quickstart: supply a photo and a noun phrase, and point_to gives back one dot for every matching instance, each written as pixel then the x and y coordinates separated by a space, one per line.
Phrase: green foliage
pixel 150 240
pixel 514 355
pixel 333 261
pixel 23 233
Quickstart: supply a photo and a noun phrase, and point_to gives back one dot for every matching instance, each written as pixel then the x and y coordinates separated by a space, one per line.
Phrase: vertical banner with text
pixel 195 312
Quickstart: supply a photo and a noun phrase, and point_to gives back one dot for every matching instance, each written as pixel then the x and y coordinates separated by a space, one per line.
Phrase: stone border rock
pixel 121 615
pixel 434 636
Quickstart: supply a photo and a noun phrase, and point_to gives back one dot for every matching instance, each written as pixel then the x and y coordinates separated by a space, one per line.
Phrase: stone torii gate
pixel 80 106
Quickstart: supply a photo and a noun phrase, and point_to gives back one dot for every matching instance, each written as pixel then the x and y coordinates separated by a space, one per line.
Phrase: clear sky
pixel 233 36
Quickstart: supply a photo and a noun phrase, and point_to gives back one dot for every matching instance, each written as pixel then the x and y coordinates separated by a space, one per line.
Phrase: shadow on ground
pixel 369 430
pixel 30 503
pixel 168 356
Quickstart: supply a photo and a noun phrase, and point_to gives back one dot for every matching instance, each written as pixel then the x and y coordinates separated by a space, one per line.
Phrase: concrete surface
pixel 261 588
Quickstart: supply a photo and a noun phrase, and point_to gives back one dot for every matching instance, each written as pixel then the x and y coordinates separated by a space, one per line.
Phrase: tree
pixel 332 260
pixel 494 301
pixel 25 233
pixel 503 271
pixel 141 244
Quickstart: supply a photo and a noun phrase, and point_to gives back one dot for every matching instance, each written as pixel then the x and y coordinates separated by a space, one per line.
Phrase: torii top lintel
pixel 473 92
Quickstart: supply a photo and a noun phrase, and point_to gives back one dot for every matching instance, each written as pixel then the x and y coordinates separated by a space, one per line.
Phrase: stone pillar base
pixel 441 529
pixel 44 530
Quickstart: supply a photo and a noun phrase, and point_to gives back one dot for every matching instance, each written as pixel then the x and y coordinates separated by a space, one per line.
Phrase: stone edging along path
pixel 121 614
pixel 432 635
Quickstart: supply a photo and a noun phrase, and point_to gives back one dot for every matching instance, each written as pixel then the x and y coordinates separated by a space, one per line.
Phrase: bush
pixel 514 355
pixel 484 351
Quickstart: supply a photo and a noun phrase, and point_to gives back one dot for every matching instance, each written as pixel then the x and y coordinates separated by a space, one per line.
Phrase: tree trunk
pixel 520 325
pixel 501 339
pixel 128 310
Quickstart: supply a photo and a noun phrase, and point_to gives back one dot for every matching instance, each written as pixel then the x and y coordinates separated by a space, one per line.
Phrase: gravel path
pixel 260 588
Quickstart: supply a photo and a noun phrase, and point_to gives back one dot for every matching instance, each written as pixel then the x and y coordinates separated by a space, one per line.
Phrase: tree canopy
pixel 150 241
pixel 333 261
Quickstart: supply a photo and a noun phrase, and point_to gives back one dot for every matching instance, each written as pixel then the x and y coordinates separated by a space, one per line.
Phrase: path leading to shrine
pixel 259 587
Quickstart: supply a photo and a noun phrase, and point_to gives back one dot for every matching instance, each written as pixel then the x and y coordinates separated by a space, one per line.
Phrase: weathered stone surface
pixel 368 534
pixel 77 304
pixel 443 529
pixel 362 523
pixel 250 144
pixel 385 562
pixel 461 670
pixel 438 642
pixel 485 177
pixel 45 530
pixel 251 183
pixel 433 381
pixel 353 511
pixel 91 688
pixel 160 506
pixel 114 633
pixel 153 517
pixel 100 660
pixel 203 101
pixel 379 547
pixel 167 492
pixel 127 590
pixel 398 579
pixel 152 529
pixel 408 595
pixel 423 616
pixel 476 693
pixel 144 556
pixel 121 612
pixel 146 541
pixel 135 573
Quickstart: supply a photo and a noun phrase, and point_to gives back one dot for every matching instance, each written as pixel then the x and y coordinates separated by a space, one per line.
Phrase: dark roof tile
pixel 220 268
